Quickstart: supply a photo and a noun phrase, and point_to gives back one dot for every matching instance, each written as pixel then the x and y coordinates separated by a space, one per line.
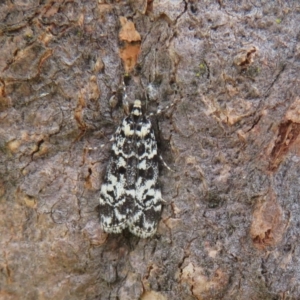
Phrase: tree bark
pixel 230 225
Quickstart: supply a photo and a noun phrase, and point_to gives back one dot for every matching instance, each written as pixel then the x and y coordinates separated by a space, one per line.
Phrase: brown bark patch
pixel 201 286
pixel 128 32
pixel 152 295
pixel 288 132
pixel 132 44
pixel 246 57
pixel 267 225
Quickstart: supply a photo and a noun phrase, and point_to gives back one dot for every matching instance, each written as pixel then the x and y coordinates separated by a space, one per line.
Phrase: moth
pixel 130 196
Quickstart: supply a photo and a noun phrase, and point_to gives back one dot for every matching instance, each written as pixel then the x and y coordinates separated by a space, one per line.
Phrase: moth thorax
pixel 137 108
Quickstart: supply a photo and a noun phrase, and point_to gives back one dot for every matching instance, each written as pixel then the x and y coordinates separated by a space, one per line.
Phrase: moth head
pixel 137 108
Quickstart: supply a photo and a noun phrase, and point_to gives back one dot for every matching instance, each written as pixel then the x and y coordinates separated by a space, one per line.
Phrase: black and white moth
pixel 130 196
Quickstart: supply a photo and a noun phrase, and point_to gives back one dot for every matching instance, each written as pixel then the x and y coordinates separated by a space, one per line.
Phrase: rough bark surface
pixel 231 225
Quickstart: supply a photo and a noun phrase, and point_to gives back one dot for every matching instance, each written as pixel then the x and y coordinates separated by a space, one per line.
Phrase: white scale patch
pixel 130 196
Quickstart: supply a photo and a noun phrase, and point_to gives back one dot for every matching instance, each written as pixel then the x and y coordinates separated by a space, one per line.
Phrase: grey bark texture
pixel 230 227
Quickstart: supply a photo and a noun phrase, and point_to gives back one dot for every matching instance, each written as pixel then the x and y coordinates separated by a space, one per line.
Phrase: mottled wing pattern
pixel 117 195
pixel 147 209
pixel 130 196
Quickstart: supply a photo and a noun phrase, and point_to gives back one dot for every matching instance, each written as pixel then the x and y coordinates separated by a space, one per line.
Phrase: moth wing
pixel 147 210
pixel 117 193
